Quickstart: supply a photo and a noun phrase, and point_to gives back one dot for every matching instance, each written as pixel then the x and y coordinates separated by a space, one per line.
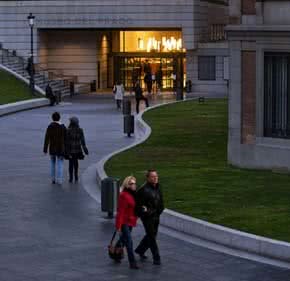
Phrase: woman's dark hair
pixel 55 116
pixel 74 122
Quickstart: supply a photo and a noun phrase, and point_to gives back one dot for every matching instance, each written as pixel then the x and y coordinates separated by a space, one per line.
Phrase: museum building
pixel 103 41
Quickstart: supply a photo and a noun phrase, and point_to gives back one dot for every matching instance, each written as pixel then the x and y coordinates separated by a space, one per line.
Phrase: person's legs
pixel 143 246
pixel 149 240
pixel 70 169
pixel 146 101
pixel 126 240
pixel 76 169
pixel 52 167
pixel 59 176
pixel 137 105
pixel 149 88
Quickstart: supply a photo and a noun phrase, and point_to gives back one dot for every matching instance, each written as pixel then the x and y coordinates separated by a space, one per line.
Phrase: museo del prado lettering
pixel 86 21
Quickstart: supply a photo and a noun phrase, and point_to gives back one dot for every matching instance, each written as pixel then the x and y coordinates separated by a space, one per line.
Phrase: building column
pixel 248 129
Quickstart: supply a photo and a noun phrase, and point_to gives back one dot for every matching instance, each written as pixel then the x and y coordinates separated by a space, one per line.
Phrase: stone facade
pixel 69 35
pixel 266 31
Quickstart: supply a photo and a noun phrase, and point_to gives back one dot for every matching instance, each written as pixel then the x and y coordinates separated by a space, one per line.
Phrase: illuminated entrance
pixel 155 52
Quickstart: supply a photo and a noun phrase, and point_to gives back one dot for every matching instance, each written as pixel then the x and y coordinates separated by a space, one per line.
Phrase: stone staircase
pixel 42 76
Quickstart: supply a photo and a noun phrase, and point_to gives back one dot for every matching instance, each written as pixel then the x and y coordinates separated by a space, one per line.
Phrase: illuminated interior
pixel 151 41
pixel 154 52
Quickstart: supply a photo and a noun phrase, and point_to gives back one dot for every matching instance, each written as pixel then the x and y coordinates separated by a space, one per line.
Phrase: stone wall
pixel 110 14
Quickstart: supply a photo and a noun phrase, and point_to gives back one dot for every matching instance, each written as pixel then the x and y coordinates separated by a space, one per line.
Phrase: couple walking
pixel 146 203
pixel 64 143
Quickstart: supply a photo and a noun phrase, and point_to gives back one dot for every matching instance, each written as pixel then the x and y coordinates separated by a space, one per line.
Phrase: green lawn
pixel 188 147
pixel 11 89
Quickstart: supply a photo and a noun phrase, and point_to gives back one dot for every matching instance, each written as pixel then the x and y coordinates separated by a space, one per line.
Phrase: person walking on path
pixel 126 218
pixel 75 146
pixel 139 96
pixel 55 141
pixel 49 94
pixel 119 91
pixel 148 81
pixel 149 207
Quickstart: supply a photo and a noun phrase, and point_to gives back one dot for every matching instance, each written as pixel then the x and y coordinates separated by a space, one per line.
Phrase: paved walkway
pixel 53 233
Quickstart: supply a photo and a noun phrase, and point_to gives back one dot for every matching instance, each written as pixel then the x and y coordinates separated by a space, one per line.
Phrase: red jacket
pixel 126 210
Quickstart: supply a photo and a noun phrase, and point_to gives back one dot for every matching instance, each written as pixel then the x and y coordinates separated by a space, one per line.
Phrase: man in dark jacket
pixel 49 94
pixel 149 206
pixel 139 96
pixel 55 141
pixel 148 81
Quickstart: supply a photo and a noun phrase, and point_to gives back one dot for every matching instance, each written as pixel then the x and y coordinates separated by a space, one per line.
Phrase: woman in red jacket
pixel 126 218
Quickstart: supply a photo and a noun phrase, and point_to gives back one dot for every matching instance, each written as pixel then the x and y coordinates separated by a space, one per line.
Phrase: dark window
pixel 206 68
pixel 277 95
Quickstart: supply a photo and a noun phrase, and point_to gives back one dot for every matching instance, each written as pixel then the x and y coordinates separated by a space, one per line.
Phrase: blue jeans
pixel 56 168
pixel 126 240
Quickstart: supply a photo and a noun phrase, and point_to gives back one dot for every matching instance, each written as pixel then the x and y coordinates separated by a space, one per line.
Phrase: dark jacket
pixel 152 198
pixel 138 92
pixel 75 141
pixel 48 92
pixel 55 139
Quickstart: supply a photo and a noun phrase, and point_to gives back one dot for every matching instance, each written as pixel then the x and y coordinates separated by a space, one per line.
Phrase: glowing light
pixel 165 45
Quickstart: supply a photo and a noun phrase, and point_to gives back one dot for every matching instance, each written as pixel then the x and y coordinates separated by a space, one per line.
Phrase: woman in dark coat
pixel 75 146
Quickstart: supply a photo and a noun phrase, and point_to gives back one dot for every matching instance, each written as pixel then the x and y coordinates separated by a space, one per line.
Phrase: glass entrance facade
pixel 130 69
pixel 141 52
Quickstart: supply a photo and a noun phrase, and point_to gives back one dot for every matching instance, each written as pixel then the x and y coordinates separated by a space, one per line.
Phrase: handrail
pixel 48 75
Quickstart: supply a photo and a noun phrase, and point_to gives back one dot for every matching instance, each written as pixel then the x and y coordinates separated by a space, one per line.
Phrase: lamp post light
pixel 179 76
pixel 30 66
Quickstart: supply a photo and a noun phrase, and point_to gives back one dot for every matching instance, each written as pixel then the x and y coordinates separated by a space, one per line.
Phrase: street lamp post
pixel 31 60
pixel 179 77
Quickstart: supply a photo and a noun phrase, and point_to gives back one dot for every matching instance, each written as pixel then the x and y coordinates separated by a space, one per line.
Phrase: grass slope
pixel 11 89
pixel 188 147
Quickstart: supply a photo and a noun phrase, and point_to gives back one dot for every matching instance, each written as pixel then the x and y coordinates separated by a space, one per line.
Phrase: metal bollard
pixel 128 118
pixel 179 94
pixel 109 195
pixel 126 107
pixel 129 125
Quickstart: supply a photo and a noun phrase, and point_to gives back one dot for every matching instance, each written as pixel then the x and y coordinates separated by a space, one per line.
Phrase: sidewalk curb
pixel 22 105
pixel 232 238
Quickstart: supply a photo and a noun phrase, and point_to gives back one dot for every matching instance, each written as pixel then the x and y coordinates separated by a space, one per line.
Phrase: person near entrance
pixel 149 207
pixel 119 91
pixel 159 79
pixel 139 96
pixel 148 81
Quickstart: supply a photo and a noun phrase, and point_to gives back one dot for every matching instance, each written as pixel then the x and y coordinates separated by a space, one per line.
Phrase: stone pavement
pixel 57 233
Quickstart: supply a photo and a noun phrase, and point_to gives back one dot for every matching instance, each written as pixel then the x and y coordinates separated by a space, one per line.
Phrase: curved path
pixel 57 233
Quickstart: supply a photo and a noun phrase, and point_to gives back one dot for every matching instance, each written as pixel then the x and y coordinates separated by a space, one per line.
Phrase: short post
pixel 179 78
pixel 128 118
pixel 110 189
